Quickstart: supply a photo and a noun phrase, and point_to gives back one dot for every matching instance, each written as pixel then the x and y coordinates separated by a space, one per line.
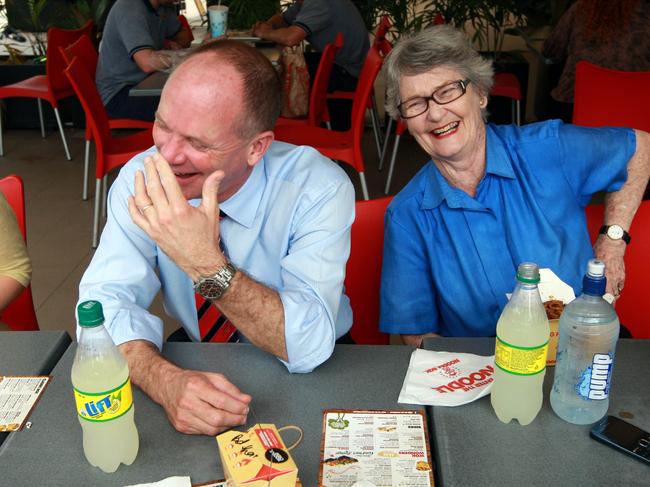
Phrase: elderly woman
pixel 492 196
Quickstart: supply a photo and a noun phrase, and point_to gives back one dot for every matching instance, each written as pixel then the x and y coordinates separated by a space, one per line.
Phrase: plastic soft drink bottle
pixel 520 353
pixel 585 354
pixel 102 391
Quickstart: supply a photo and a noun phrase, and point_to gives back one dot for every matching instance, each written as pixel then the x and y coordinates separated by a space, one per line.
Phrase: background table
pixel 473 448
pixel 355 377
pixel 30 353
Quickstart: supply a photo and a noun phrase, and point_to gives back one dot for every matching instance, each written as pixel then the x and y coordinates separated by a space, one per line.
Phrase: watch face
pixel 615 232
pixel 210 289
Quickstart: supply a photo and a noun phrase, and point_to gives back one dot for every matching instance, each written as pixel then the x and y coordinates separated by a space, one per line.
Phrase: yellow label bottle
pixel 520 351
pixel 103 396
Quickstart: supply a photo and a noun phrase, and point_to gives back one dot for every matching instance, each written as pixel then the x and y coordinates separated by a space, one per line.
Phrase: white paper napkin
pixel 446 378
pixel 168 482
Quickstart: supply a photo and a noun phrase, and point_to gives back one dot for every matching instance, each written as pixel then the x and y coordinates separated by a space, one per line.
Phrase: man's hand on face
pixel 188 235
pixel 203 403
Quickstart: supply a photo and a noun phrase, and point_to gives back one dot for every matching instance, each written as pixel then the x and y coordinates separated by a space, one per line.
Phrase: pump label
pixel 595 380
pixel 520 360
pixel 104 406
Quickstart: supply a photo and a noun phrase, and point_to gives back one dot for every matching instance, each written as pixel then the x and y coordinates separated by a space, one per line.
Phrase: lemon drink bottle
pixel 520 353
pixel 102 390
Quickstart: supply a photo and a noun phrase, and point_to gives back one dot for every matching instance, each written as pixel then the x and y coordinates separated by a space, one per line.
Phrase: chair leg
pixel 385 146
pixel 518 112
pixel 84 194
pixel 40 116
pixel 98 198
pixel 393 157
pixel 375 127
pixel 104 194
pixel 65 143
pixel 2 147
pixel 364 186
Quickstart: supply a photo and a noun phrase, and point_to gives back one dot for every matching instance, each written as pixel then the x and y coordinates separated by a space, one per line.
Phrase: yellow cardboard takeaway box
pixel 256 458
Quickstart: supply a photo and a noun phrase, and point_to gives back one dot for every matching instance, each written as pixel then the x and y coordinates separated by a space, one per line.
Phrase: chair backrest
pixel 613 98
pixel 382 29
pixel 631 305
pixel 186 25
pixel 57 38
pixel 365 88
pixel 363 271
pixel 96 117
pixel 318 96
pixel 84 50
pixel 20 314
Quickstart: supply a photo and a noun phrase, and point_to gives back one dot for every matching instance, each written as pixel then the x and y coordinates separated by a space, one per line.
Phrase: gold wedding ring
pixel 145 208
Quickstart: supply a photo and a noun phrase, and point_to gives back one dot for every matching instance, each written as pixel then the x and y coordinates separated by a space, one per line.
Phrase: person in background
pixel 318 22
pixel 131 46
pixel 15 266
pixel 610 33
pixel 492 196
pixel 260 229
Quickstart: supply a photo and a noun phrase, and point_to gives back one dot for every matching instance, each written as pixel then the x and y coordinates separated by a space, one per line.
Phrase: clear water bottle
pixel 520 353
pixel 585 355
pixel 102 391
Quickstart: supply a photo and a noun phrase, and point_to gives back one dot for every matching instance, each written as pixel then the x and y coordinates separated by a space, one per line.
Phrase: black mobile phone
pixel 623 436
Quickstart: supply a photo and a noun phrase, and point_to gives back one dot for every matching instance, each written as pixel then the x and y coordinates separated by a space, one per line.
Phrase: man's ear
pixel 258 147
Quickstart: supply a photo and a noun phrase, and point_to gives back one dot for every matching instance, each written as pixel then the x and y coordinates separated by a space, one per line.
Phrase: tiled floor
pixel 59 222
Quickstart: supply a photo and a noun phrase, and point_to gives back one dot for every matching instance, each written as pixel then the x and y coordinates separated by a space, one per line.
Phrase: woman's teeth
pixel 446 129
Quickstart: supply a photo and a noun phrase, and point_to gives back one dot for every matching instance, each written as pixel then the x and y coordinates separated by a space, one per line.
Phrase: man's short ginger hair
pixel 261 84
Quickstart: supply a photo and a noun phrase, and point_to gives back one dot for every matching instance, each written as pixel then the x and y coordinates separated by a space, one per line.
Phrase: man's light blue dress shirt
pixel 288 227
pixel 450 259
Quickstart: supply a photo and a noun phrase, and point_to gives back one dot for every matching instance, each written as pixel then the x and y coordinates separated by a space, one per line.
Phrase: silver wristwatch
pixel 213 287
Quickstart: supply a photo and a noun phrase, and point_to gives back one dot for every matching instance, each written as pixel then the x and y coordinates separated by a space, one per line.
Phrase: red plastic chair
pixel 363 271
pixel 342 146
pixel 84 50
pixel 53 85
pixel 186 25
pixel 631 307
pixel 112 152
pixel 612 98
pixel 318 96
pixel 20 314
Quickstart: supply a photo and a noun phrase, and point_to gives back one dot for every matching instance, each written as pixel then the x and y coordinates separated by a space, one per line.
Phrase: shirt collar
pixel 438 189
pixel 242 206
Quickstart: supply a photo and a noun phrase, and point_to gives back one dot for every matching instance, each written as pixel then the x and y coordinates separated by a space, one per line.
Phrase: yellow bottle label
pixel 104 406
pixel 520 360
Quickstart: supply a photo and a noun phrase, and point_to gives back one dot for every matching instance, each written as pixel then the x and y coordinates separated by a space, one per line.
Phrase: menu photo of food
pixel 385 448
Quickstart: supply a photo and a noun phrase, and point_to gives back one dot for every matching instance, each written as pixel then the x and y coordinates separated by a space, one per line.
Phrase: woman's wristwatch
pixel 615 232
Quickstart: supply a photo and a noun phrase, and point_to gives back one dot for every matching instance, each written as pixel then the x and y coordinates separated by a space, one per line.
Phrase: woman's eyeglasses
pixel 443 95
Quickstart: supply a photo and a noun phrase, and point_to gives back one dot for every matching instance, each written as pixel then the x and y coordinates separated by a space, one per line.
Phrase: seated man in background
pixel 261 229
pixel 133 36
pixel 15 266
pixel 318 22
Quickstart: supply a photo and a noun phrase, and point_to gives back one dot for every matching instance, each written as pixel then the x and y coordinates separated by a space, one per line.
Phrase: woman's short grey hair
pixel 436 46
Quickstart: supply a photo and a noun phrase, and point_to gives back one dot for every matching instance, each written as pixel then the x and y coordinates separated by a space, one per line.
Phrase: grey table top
pixel 31 352
pixel 355 377
pixel 473 448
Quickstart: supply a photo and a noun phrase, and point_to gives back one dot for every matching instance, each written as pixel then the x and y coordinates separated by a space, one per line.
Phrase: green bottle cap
pixel 90 314
pixel 528 272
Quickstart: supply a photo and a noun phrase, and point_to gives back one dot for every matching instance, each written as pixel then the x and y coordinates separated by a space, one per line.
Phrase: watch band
pixel 615 232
